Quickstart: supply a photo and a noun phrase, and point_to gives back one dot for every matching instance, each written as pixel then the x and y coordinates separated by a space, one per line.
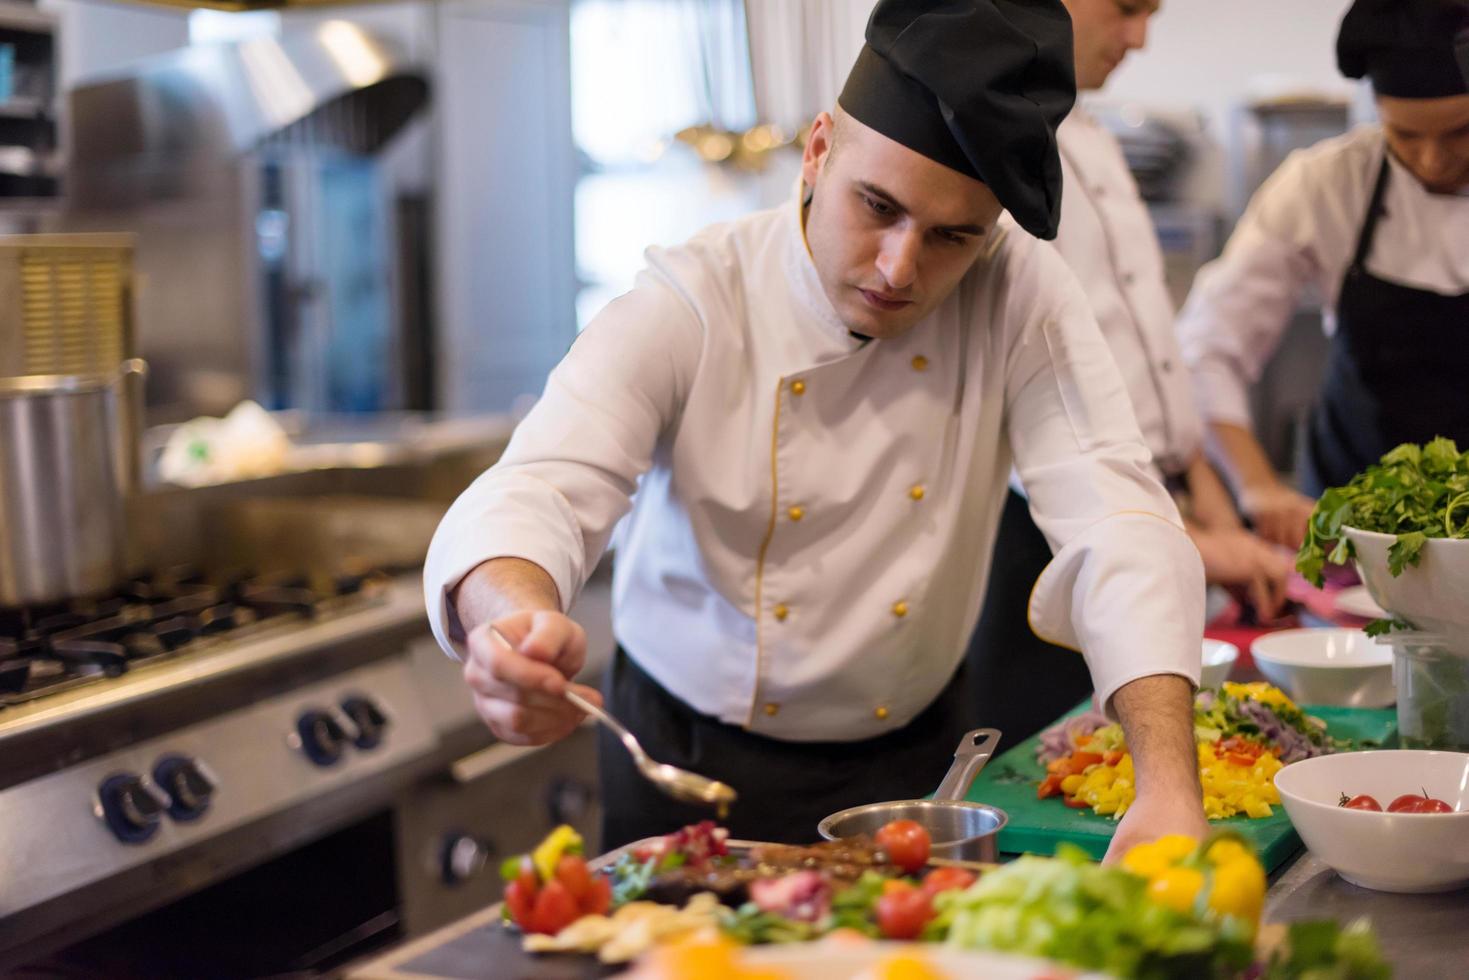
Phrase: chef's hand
pixel 1254 570
pixel 519 686
pixel 1279 513
pixel 1155 815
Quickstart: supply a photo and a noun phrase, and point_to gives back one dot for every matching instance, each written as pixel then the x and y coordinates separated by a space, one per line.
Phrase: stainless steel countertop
pixel 1422 936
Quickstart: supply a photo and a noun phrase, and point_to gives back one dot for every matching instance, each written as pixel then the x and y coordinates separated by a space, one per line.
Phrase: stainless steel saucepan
pixel 959 830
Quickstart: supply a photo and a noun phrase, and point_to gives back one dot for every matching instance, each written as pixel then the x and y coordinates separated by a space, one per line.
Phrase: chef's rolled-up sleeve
pixel 571 467
pixel 1126 585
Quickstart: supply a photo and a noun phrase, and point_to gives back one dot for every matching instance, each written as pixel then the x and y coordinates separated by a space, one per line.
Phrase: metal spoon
pixel 677 783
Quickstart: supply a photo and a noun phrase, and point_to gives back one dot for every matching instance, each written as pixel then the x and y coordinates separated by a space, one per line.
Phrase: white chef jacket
pixel 1301 230
pixel 808 544
pixel 1108 240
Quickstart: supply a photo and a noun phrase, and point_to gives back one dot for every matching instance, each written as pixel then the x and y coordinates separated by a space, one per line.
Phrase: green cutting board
pixel 1037 826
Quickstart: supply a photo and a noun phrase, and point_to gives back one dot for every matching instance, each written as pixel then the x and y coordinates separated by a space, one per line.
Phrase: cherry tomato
pixel 598 897
pixel 1411 803
pixel 1359 802
pixel 572 872
pixel 946 879
pixel 555 909
pixel 906 843
pixel 1419 804
pixel 903 912
pixel 521 902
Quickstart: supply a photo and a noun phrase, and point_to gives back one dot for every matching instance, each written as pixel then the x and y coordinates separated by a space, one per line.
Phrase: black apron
pixel 785 788
pixel 1398 370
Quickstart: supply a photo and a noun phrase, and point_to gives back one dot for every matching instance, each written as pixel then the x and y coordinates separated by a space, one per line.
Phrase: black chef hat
pixel 976 85
pixel 1407 47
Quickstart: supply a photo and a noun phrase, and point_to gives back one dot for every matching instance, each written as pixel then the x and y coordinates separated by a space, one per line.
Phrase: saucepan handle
pixel 975 749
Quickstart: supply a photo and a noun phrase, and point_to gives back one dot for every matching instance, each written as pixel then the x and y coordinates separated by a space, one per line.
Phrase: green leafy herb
pixel 1382 627
pixel 1326 951
pixel 1413 492
pixel 1072 910
pixel 852 907
pixel 750 926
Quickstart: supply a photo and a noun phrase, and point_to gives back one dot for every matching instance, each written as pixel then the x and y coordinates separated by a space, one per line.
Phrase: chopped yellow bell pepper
pixel 1176 887
pixel 562 840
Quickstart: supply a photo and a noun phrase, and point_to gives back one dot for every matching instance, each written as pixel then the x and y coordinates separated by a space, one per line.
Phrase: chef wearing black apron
pixel 1377 221
pixel 1398 370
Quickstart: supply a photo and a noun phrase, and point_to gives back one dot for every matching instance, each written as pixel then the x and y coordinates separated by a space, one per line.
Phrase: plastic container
pixel 1431 672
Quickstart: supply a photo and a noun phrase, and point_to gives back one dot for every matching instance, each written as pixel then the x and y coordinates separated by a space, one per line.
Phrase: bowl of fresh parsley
pixel 1405 521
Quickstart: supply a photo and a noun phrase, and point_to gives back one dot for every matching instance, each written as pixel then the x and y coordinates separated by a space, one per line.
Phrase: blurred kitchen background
pixel 383 225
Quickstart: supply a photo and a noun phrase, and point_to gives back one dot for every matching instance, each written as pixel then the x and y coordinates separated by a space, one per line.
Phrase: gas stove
pixel 51 649
pixel 190 726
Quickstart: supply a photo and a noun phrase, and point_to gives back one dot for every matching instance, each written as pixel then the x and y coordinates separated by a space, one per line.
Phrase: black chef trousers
pixel 784 788
pixel 1018 682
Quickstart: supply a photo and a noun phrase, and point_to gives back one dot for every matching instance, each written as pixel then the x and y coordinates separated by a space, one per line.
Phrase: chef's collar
pixel 1410 49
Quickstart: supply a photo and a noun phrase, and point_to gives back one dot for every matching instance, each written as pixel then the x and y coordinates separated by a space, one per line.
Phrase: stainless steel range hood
pixel 333 85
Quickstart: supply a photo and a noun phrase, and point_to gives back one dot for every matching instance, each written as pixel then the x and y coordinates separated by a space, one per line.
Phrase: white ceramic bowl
pixel 1433 595
pixel 1392 852
pixel 1327 666
pixel 1219 660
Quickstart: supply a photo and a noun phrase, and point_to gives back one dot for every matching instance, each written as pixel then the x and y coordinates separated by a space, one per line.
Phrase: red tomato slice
pixel 521 904
pixel 555 909
pixel 572 872
pixel 598 897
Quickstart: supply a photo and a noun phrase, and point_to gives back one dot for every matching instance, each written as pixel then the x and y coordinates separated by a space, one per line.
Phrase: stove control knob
pixel 188 787
pixel 462 857
pixel 322 738
pixel 368 719
pixel 129 807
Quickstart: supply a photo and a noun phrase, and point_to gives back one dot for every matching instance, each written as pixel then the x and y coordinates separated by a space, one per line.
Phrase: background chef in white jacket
pixel 812 413
pixel 1378 222
pixel 1107 238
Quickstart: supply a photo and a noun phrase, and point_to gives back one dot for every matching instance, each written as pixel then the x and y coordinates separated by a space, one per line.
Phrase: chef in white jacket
pixel 812 413
pixel 1107 238
pixel 1377 221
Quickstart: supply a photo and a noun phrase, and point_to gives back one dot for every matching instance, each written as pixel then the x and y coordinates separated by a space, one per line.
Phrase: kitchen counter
pixel 1422 936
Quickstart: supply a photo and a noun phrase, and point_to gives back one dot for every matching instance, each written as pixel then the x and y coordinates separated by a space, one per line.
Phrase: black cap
pixel 1407 47
pixel 976 85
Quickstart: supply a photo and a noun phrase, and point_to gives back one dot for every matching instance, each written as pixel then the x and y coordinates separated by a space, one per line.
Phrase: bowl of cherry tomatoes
pixel 1395 820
